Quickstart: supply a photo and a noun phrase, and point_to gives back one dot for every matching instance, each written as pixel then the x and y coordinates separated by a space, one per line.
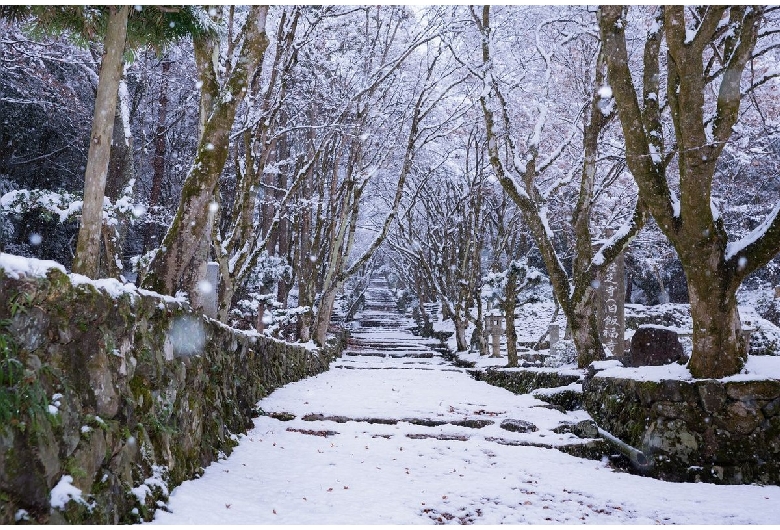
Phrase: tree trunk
pixel 87 257
pixel 120 182
pixel 584 325
pixel 151 230
pixel 698 236
pixel 325 310
pixel 718 342
pixel 461 344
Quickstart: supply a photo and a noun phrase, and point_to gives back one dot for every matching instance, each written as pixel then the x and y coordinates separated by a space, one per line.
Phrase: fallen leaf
pixel 330 489
pixel 228 506
pixel 274 512
pixel 346 487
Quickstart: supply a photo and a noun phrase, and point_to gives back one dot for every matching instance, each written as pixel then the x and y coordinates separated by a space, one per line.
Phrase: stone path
pixel 395 434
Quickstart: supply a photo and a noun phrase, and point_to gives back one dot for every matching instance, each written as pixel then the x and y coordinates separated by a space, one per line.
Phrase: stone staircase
pixel 381 338
pixel 381 332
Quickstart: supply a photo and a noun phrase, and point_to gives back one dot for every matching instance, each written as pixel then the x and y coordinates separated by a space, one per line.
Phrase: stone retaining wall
pixel 524 381
pixel 705 430
pixel 107 403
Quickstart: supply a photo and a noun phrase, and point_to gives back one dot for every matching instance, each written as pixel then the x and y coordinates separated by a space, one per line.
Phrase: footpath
pixel 395 434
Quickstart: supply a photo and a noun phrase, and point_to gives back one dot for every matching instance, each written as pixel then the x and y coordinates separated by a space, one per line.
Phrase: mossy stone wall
pixel 95 391
pixel 524 381
pixel 703 430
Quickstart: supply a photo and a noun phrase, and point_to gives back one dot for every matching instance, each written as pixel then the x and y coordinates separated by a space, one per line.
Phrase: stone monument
pixel 611 314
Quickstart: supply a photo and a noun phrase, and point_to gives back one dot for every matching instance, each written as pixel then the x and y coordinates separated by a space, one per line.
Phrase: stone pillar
pixel 612 294
pixel 555 335
pixel 493 326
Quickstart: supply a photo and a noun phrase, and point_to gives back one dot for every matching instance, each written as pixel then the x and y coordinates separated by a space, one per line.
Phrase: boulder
pixel 518 426
pixel 654 346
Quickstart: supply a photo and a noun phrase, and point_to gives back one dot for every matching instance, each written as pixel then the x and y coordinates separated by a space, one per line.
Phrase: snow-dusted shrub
pixel 562 353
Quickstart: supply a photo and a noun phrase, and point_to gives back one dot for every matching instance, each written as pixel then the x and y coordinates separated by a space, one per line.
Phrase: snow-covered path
pixel 393 434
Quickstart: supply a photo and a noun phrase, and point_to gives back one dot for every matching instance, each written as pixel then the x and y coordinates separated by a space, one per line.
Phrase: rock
pixel 581 429
pixel 654 346
pixel 741 418
pixel 518 426
pixel 772 409
pixel 567 399
pixel 472 424
pixel 282 416
pixel 748 390
pixel 712 396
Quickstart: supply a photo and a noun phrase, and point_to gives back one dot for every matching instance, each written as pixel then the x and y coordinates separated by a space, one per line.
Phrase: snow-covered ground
pixel 348 470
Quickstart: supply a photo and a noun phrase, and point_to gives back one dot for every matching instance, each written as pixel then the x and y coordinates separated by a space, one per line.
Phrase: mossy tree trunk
pixel 191 228
pixel 714 268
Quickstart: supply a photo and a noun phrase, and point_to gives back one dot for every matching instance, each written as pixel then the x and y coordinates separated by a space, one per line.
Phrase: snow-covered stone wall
pixel 720 431
pixel 108 399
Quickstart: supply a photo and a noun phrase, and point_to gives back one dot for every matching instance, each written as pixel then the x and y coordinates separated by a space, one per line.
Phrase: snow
pixel 156 481
pixel 63 205
pixel 63 492
pixel 545 222
pixel 18 267
pixel 673 371
pixel 675 205
pixel 353 471
pixel 735 247
pixel 758 367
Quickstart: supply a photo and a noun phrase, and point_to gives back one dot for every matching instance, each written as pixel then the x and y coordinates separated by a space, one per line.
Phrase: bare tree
pixel 518 172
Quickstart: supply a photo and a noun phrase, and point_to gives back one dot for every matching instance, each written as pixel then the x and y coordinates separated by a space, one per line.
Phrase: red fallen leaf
pixel 443 496
pixel 346 487
pixel 330 489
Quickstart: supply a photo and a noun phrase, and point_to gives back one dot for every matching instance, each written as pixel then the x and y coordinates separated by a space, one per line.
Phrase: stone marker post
pixel 612 294
pixel 555 335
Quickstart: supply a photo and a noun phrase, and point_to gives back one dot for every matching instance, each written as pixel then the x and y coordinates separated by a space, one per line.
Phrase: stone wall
pixel 519 381
pixel 703 430
pixel 108 402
